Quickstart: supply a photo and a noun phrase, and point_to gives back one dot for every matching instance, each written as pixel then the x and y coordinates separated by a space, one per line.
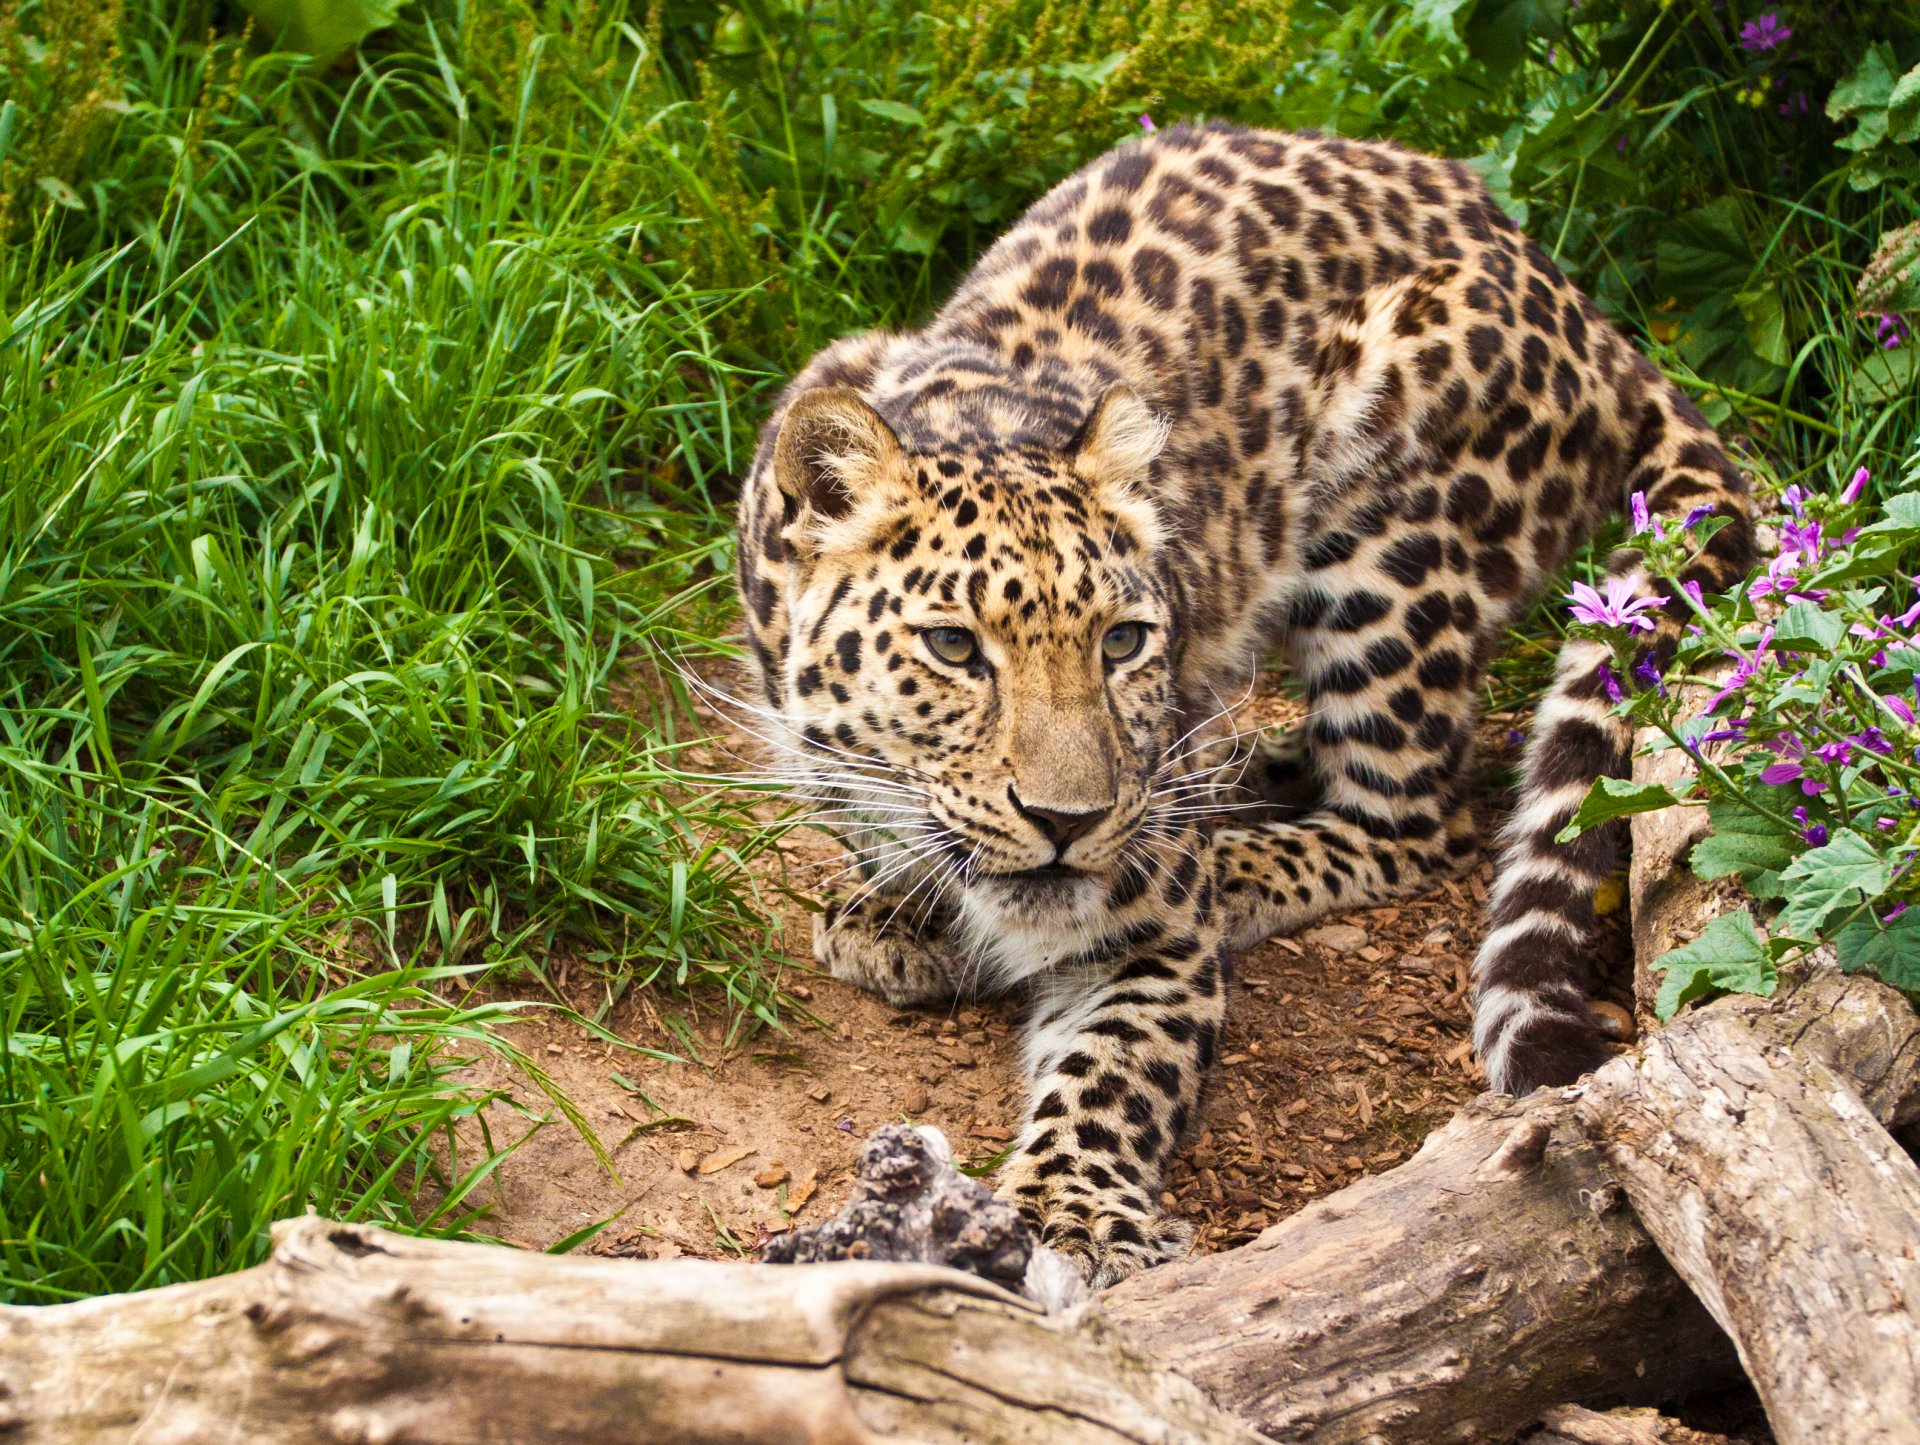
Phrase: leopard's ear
pixel 1115 451
pixel 1117 444
pixel 833 452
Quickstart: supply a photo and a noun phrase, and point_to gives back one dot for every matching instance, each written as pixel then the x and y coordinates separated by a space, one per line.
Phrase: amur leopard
pixel 1221 392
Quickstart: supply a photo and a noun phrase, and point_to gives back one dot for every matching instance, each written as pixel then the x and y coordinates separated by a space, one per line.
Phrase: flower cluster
pixel 1809 731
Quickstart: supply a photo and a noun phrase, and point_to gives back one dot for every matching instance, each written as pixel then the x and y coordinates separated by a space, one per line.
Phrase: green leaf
pixel 1902 515
pixel 1744 843
pixel 1615 798
pixel 1846 871
pixel 1888 950
pixel 1499 31
pixel 1441 19
pixel 1766 316
pixel 1729 954
pixel 322 28
pixel 896 111
pixel 1806 624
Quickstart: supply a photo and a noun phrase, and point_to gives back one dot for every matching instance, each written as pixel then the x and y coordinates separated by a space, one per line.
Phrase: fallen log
pixel 350 1335
pixel 1495 1275
pixel 1788 1209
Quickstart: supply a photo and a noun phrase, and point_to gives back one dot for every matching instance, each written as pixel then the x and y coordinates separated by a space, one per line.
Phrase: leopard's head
pixel 981 649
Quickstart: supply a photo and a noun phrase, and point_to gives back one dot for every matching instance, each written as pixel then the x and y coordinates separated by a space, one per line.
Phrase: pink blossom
pixel 1765 32
pixel 1852 492
pixel 1619 608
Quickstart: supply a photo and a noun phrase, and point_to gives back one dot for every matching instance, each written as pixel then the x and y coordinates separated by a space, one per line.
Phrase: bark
pixel 1788 1209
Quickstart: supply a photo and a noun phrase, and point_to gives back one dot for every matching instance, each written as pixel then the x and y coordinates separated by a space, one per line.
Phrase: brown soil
pixel 1344 1047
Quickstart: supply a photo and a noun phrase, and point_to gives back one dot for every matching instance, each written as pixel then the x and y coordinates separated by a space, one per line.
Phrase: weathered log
pixel 1573 1425
pixel 350 1335
pixel 1495 1275
pixel 1787 1208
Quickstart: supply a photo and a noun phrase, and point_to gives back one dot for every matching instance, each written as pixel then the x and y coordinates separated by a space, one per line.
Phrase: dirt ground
pixel 1344 1047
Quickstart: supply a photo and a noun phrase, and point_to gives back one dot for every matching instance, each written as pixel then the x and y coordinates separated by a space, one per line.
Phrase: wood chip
pixel 725 1158
pixel 819 1093
pixel 997 1132
pixel 772 1177
pixel 802 1191
pixel 915 1100
pixel 686 1161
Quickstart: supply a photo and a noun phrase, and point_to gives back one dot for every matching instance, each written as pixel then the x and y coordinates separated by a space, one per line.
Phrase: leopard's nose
pixel 1062 828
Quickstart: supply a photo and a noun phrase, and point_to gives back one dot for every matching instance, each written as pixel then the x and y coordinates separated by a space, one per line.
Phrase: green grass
pixel 332 516
pixel 366 443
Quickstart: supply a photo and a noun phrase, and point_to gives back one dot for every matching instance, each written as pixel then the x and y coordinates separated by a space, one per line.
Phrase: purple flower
pixel 1795 497
pixel 1696 594
pixel 1642 517
pixel 1886 825
pixel 1853 488
pixel 1697 515
pixel 1899 708
pixel 1802 537
pixel 1766 32
pixel 1839 753
pixel 1872 740
pixel 1780 578
pixel 1147 125
pixel 1743 670
pixel 1893 913
pixel 1736 728
pixel 1619 608
pixel 1515 737
pixel 1648 672
pixel 1814 834
pixel 1791 768
pixel 1797 106
pixel 1610 683
pixel 1891 331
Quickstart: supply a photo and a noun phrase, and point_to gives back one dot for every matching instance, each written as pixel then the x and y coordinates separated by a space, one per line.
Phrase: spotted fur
pixel 1240 390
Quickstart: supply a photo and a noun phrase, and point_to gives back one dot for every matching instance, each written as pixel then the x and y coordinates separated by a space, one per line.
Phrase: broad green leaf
pixel 1441 19
pixel 1766 316
pixel 1615 798
pixel 1888 950
pixel 1819 883
pixel 1746 844
pixel 1902 514
pixel 322 28
pixel 1805 624
pixel 1729 954
pixel 1499 30
pixel 894 110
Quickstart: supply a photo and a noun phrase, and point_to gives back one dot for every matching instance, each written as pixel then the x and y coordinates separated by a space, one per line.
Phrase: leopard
pixel 1224 398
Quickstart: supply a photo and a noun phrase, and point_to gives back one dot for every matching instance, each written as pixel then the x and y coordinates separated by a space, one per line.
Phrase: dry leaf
pixel 723 1158
pixel 802 1191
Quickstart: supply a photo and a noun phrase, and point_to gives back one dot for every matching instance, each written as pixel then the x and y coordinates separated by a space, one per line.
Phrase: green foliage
pixel 321 28
pixel 1729 955
pixel 1611 798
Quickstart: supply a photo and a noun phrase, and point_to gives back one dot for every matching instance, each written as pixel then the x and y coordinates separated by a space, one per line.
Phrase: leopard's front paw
pixel 1106 1233
pixel 905 969
pixel 1112 1246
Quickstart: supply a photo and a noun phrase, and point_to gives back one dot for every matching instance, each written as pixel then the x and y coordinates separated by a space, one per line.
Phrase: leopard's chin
pixel 1024 923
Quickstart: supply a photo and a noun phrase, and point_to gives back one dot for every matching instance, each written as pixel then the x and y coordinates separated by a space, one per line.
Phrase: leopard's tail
pixel 1532 1026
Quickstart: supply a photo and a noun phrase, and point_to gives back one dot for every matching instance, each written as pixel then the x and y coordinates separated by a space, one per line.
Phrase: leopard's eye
pixel 1124 642
pixel 953 645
